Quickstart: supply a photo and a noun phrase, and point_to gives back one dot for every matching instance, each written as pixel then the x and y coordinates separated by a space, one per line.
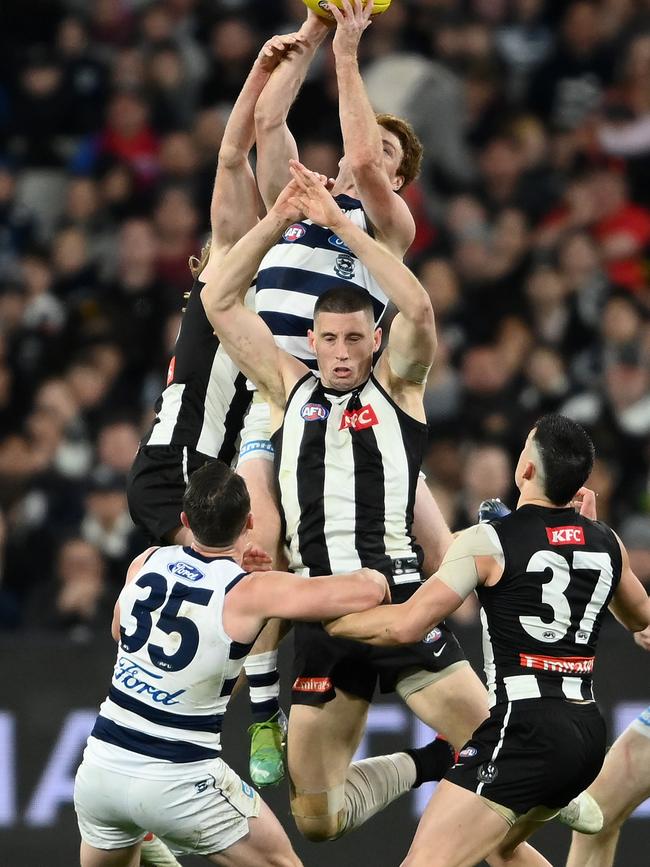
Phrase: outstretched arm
pixel 244 334
pixel 234 206
pixel 630 604
pixel 275 143
pixel 362 137
pixel 412 338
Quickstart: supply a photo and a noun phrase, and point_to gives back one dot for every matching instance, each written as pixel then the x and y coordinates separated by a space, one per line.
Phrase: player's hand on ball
pixel 276 49
pixel 351 20
pixel 314 198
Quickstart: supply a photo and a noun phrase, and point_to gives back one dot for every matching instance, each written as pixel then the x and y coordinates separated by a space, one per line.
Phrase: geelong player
pixel 348 449
pixel 200 413
pixel 186 619
pixel 544 577
pixel 382 156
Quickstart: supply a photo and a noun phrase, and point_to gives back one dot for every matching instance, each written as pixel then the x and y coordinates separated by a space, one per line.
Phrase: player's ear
pixel 250 522
pixel 311 338
pixel 530 470
pixel 376 342
pixel 184 520
pixel 398 183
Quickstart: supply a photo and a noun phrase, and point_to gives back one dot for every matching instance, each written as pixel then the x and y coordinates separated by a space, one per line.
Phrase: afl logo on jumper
pixel 358 419
pixel 294 233
pixel 344 266
pixel 184 570
pixel 565 535
pixel 314 412
pixel 432 636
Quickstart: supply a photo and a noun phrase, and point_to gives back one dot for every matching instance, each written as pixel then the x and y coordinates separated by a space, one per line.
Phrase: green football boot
pixel 266 762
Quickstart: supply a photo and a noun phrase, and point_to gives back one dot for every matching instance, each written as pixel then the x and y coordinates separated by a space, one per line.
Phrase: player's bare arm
pixel 364 142
pixel 262 595
pixel 275 143
pixel 630 603
pixel 136 564
pixel 243 333
pixel 234 206
pixel 467 563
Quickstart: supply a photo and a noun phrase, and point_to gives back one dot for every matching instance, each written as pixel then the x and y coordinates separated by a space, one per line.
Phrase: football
pixel 320 7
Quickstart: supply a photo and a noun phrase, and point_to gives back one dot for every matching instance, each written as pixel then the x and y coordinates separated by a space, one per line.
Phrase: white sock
pixel 264 684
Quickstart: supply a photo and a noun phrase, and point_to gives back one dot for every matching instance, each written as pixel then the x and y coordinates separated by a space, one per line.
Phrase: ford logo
pixel 185 570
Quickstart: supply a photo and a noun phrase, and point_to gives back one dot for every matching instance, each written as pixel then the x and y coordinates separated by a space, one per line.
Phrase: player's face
pixel 344 344
pixel 392 154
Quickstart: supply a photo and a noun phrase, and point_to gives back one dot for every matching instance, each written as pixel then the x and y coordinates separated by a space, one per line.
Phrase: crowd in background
pixel 533 215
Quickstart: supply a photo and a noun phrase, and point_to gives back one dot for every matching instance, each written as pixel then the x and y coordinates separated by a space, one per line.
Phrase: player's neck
pixel 535 497
pixel 234 551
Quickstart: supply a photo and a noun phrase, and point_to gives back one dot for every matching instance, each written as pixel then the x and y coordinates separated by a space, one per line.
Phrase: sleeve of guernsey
pixel 458 568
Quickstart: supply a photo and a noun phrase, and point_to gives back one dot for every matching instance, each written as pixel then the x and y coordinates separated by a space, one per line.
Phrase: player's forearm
pixel 361 137
pixel 239 134
pixel 384 626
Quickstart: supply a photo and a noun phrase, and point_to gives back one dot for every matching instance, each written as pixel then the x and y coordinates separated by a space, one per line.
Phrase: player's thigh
pixel 454 705
pixel 92 857
pixel 624 781
pixel 457 829
pixel 322 740
pixel 265 845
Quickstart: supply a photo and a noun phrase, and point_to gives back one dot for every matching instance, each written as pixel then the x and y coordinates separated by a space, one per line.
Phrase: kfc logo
pixel 314 412
pixel 294 233
pixel 565 535
pixel 359 419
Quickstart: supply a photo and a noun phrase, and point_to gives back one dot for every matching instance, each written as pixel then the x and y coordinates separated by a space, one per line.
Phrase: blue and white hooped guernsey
pixel 306 262
pixel 176 666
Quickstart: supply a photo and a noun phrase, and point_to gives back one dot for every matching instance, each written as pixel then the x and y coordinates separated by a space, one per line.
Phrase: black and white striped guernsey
pixel 347 466
pixel 206 398
pixel 542 619
pixel 306 262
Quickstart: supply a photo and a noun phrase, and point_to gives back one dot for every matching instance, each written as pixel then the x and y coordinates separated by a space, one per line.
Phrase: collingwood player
pixel 382 155
pixel 185 621
pixel 348 450
pixel 200 413
pixel 544 576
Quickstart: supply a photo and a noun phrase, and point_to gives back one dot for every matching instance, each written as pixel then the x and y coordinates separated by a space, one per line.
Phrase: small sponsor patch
pixel 247 790
pixel 468 753
pixel 558 664
pixel 487 773
pixel 432 636
pixel 314 412
pixel 566 535
pixel 294 233
pixel 312 684
pixel 185 570
pixel 335 241
pixel 359 419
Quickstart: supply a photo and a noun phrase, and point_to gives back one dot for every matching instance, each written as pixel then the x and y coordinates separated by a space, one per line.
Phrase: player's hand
pixel 316 25
pixel 255 559
pixel 351 20
pixel 585 503
pixel 287 206
pixel 379 579
pixel 643 638
pixel 313 197
pixel 276 49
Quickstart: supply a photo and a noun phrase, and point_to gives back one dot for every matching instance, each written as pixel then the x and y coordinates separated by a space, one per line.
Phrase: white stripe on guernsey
pixel 186 478
pixel 488 661
pixel 163 431
pixel 291 439
pixel 396 472
pixel 338 493
pixel 572 687
pixel 218 397
pixel 138 723
pixel 520 686
pixel 282 301
pixel 497 749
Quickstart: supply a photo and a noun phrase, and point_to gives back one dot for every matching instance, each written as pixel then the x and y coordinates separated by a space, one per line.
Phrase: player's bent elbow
pixel 231 157
pixel 267 117
pixel 366 166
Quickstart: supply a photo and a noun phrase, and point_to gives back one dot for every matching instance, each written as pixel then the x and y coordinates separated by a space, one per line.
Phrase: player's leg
pixel 429 528
pixel 92 857
pixel 457 829
pixel 454 702
pixel 622 784
pixel 513 851
pixel 265 845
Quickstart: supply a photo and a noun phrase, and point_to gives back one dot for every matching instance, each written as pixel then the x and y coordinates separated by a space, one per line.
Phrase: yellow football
pixel 320 7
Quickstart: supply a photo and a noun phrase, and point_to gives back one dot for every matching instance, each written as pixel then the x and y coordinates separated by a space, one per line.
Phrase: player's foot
pixel 582 814
pixel 266 763
pixel 154 853
pixel 432 761
pixel 490 510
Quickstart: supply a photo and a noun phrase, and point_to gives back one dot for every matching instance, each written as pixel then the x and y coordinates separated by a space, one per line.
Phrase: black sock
pixel 432 761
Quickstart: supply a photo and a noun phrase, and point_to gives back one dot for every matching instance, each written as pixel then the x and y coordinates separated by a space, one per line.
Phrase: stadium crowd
pixel 533 216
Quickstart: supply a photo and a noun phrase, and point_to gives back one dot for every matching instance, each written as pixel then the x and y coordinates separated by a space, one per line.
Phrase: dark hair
pixel 217 504
pixel 344 299
pixel 409 167
pixel 567 454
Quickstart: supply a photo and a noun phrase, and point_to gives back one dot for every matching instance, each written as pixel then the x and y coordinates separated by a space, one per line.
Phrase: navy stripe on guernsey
pixel 146 745
pixel 211 723
pixel 206 398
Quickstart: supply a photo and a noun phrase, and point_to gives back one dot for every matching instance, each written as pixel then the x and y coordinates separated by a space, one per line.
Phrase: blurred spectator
pixel 635 535
pixel 84 76
pixel 17 224
pixel 487 472
pixel 233 46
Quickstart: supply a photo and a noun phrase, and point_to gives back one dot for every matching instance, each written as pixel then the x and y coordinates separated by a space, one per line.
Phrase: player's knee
pixel 319 816
pixel 318 829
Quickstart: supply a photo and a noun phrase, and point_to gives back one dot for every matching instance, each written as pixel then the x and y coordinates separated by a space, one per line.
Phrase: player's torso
pixel 205 398
pixel 541 621
pixel 307 261
pixel 347 467
pixel 176 666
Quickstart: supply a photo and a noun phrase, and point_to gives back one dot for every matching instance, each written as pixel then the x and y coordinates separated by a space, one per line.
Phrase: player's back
pixel 542 619
pixel 176 666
